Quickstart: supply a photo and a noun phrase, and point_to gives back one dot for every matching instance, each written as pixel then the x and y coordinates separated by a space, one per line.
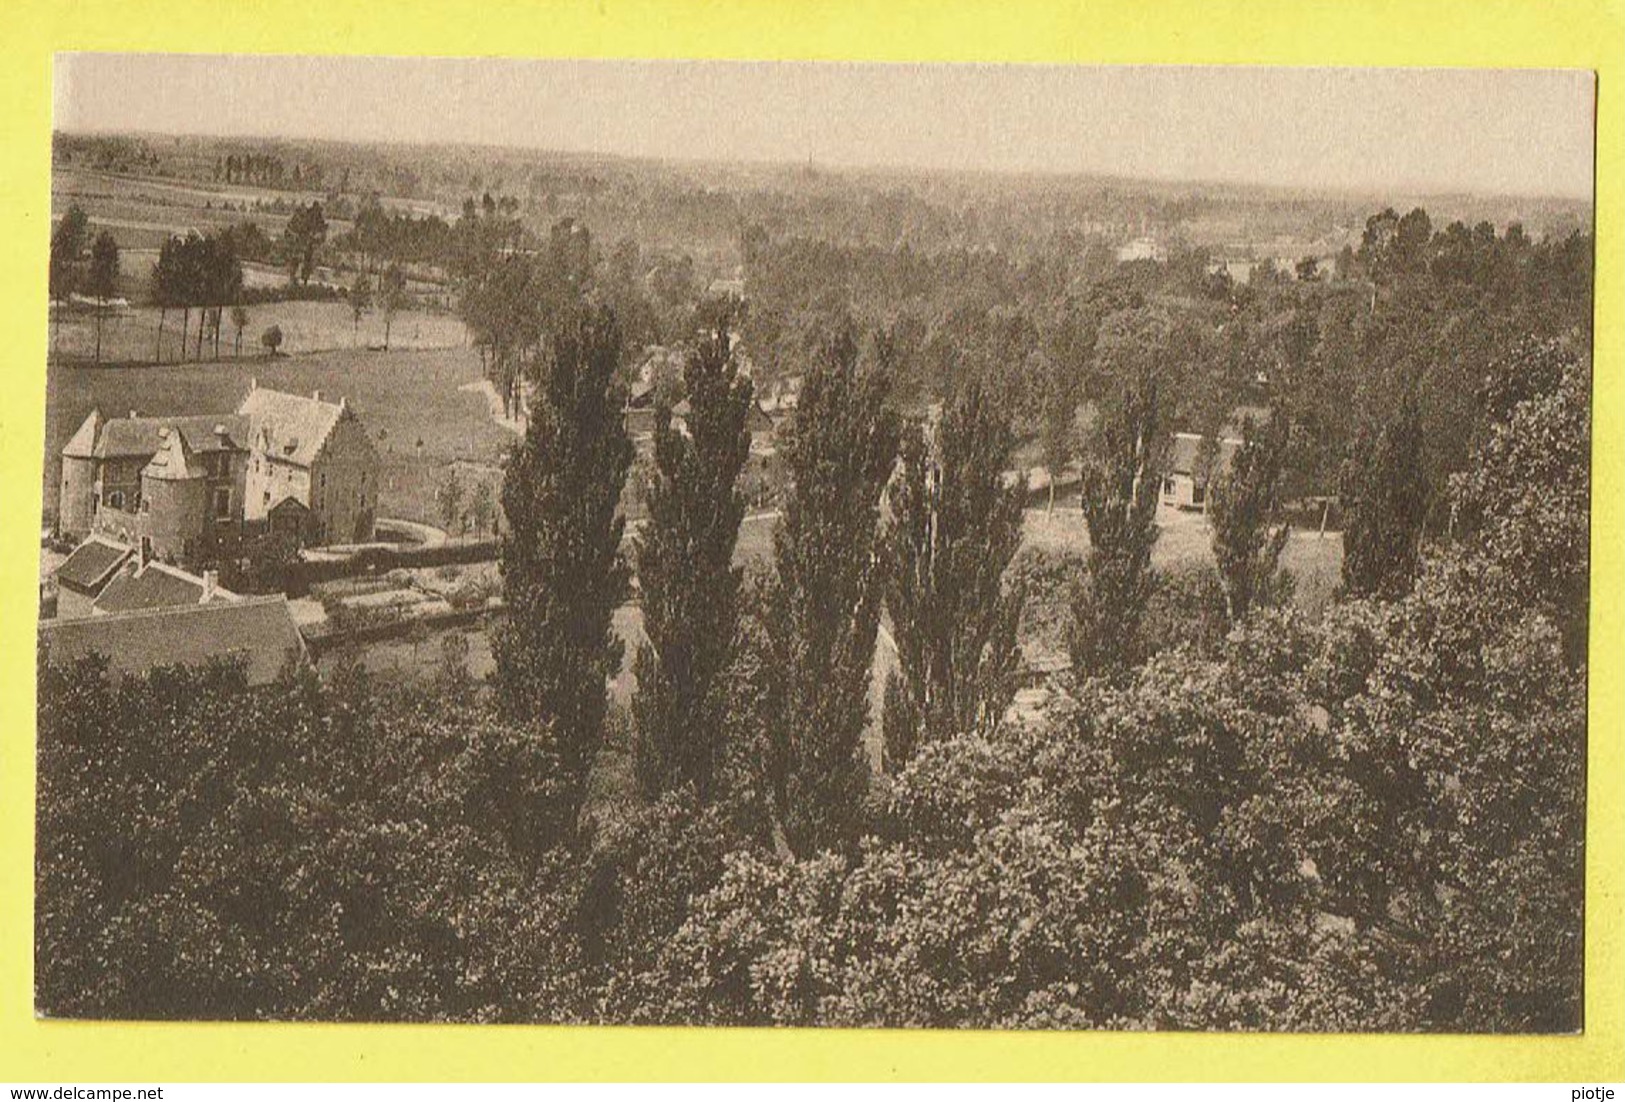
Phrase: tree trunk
pixel 186 322
pixel 387 320
pixel 158 348
pixel 202 320
pixel 101 308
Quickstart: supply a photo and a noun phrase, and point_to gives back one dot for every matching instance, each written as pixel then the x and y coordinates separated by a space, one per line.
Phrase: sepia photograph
pixel 815 544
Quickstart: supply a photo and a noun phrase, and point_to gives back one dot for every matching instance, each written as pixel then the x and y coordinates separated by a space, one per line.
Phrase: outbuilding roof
pixel 1185 454
pixel 259 630
pixel 91 564
pixel 157 585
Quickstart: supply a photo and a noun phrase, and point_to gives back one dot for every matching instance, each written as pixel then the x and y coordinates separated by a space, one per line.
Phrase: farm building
pixel 258 631
pixel 104 577
pixel 1191 468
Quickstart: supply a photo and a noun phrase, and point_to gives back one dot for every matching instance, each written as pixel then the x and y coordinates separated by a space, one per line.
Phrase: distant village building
pixel 726 288
pixel 1142 248
pixel 1191 469
pixel 781 395
pixel 167 485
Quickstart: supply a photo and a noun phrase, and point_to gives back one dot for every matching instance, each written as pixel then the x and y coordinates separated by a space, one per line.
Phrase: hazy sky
pixel 1523 132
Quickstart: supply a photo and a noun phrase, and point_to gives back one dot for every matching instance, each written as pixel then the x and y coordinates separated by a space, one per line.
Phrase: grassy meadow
pixel 131 336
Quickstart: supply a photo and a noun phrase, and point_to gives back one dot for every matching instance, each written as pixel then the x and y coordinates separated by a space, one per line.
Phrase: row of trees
pixel 199 271
pixel 388 295
pixel 1370 822
pixel 71 272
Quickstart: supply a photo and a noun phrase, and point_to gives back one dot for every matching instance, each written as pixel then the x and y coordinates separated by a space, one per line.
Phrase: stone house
pixel 168 486
pixel 318 454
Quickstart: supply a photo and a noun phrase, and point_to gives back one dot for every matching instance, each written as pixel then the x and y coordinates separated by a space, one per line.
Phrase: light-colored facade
pixel 171 485
pixel 318 454
pixel 1191 469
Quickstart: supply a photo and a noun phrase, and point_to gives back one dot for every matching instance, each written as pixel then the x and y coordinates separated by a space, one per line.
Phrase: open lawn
pixel 409 401
pixel 1314 561
pixel 131 336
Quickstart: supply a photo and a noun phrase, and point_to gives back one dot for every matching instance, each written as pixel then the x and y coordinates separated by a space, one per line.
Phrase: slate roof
pixel 82 444
pixel 174 461
pixel 91 564
pixel 136 437
pixel 158 586
pixel 295 427
pixel 259 629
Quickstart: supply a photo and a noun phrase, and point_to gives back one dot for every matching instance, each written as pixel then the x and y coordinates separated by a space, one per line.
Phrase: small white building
pixel 1192 468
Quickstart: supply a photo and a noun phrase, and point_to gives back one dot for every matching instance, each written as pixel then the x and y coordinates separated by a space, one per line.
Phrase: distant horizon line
pixel 1413 190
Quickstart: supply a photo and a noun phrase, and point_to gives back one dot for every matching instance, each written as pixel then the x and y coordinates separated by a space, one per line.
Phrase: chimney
pixel 211 578
pixel 142 551
pixel 132 415
pixel 344 402
pixel 315 395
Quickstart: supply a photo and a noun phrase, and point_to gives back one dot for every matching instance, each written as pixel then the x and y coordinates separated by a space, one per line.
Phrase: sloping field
pixel 131 336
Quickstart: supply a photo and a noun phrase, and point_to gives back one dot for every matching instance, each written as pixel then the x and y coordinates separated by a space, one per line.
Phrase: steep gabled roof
pixel 82 444
pixel 260 630
pixel 91 564
pixel 288 504
pixel 290 427
pixel 136 437
pixel 174 461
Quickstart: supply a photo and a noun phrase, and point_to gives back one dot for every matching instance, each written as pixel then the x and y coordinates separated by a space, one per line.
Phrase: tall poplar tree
pixel 1120 483
pixel 824 608
pixel 1244 509
pixel 102 280
pixel 686 575
pixel 954 527
pixel 1385 495
pixel 67 243
pixel 562 573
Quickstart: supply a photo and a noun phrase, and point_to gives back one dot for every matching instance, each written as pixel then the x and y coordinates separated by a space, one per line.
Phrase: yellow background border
pixel 1586 34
